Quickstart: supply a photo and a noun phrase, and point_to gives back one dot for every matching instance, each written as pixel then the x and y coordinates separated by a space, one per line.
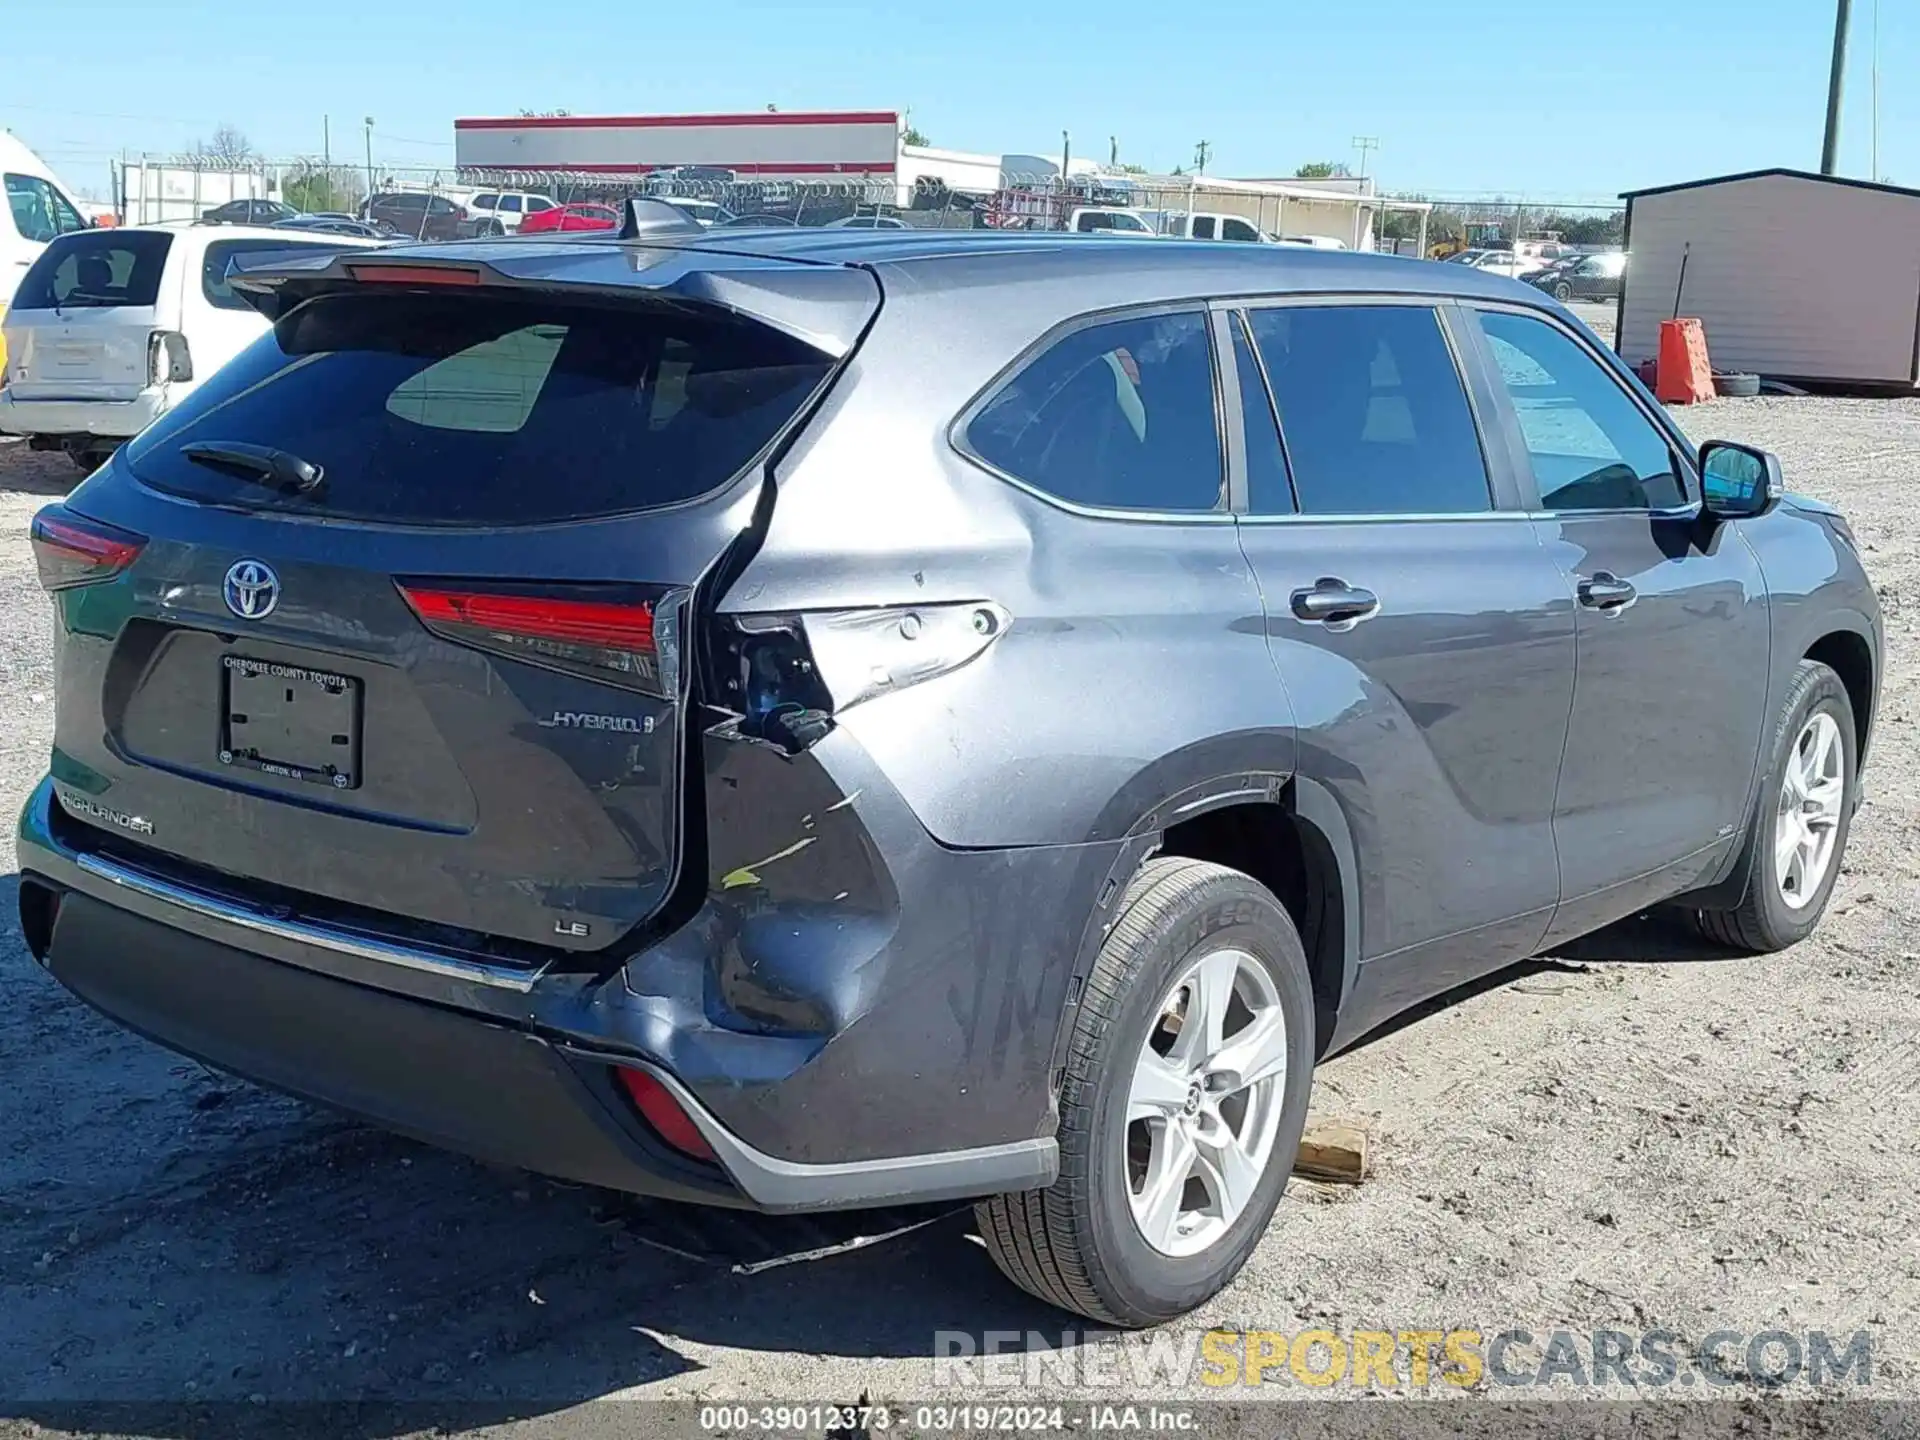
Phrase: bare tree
pixel 227 149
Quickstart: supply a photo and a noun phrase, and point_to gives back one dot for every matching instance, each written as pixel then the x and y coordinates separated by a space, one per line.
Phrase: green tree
pixel 543 114
pixel 915 136
pixel 313 186
pixel 1321 170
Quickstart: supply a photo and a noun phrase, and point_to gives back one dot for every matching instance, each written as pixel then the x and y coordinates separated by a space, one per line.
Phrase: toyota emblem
pixel 251 589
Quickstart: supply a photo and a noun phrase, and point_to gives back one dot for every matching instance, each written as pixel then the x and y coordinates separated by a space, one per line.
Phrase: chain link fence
pixel 1339 214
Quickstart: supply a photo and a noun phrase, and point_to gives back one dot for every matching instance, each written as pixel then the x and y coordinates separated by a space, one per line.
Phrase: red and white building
pixel 822 146
pixel 764 145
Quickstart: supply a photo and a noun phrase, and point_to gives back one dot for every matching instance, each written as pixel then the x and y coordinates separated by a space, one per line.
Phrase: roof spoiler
pixel 825 306
pixel 646 218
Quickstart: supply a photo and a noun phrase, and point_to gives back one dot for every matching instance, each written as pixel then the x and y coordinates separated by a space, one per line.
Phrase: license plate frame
pixel 294 721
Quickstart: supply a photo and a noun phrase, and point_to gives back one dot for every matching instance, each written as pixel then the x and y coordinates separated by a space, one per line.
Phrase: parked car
pixel 756 222
pixel 1587 277
pixel 586 215
pixel 418 216
pixel 502 212
pixel 705 211
pixel 1204 225
pixel 336 225
pixel 111 328
pixel 867 222
pixel 248 212
pixel 658 827
pixel 1102 220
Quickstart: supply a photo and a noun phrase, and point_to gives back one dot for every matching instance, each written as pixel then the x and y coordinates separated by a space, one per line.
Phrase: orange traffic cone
pixel 1684 376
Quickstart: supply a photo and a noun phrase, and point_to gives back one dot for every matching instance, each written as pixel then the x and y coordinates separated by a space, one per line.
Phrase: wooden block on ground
pixel 1333 1152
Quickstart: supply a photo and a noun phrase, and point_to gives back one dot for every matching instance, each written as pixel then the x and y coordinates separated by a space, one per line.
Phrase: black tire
pixel 1736 385
pixel 493 228
pixel 1763 921
pixel 1075 1244
pixel 1563 292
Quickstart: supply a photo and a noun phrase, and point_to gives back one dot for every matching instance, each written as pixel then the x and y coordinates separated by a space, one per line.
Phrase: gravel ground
pixel 1639 1134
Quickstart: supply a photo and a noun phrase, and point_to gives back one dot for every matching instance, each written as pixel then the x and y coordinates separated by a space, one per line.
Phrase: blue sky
pixel 1573 101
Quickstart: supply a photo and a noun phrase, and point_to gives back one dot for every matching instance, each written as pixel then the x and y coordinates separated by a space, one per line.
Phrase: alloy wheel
pixel 1807 821
pixel 1204 1106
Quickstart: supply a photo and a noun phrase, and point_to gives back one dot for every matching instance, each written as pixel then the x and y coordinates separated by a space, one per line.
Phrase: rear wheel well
pixel 1267 841
pixel 1847 655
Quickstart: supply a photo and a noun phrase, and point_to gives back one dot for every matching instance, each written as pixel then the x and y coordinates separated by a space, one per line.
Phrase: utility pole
pixel 1113 144
pixel 369 124
pixel 1364 144
pixel 1200 154
pixel 326 143
pixel 1830 147
pixel 1066 154
pixel 1876 91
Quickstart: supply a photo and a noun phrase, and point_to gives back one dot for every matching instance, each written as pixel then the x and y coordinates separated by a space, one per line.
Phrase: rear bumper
pixel 109 419
pixel 513 1066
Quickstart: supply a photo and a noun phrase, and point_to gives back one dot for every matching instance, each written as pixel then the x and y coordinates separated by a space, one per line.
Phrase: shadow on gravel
pixel 35 472
pixel 1654 938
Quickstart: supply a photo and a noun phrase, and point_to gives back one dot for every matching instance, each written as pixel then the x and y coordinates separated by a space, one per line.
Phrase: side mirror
pixel 1738 481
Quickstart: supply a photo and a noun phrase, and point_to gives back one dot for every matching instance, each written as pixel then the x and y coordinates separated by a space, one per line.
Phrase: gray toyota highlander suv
pixel 795 720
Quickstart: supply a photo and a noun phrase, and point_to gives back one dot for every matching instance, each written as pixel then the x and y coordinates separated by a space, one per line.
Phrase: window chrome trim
pixel 1387 517
pixel 341 942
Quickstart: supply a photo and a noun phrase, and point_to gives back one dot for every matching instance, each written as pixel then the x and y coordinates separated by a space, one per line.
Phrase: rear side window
pixel 1375 417
pixel 1118 415
pixel 221 255
pixel 96 269
pixel 457 410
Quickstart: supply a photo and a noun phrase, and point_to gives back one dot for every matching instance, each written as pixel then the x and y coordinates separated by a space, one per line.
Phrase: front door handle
pixel 1333 600
pixel 1604 590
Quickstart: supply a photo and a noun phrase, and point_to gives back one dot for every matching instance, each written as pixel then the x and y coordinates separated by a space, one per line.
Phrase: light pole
pixel 1364 144
pixel 369 124
pixel 1830 147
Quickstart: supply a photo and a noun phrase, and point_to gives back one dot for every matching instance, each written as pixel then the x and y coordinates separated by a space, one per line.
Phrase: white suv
pixel 505 209
pixel 110 328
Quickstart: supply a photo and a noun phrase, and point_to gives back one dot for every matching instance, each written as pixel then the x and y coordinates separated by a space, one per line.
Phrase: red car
pixel 572 217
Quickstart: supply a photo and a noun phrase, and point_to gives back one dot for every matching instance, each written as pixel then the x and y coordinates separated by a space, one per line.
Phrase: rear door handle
pixel 1331 599
pixel 1604 590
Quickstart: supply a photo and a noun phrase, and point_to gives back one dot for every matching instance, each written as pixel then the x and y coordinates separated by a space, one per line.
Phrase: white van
pixel 109 328
pixel 38 208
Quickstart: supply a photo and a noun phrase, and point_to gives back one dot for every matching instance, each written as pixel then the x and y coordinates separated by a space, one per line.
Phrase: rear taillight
pixel 168 357
pixel 71 550
pixel 660 1110
pixel 597 631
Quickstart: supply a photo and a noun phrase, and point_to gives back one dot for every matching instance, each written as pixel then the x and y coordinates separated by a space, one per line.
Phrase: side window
pixel 1117 415
pixel 485 202
pixel 40 212
pixel 1590 445
pixel 1203 227
pixel 1094 220
pixel 1268 490
pixel 510 204
pixel 1232 229
pixel 1375 416
pixel 535 204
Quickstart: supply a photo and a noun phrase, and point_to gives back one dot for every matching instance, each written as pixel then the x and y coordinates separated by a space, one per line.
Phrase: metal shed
pixel 1795 276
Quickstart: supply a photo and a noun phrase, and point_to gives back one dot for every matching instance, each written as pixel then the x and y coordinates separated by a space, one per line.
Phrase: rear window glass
pixel 98 269
pixel 455 410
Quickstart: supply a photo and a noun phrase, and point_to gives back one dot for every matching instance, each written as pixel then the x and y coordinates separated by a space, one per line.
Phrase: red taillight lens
pixel 69 549
pixel 604 638
pixel 660 1110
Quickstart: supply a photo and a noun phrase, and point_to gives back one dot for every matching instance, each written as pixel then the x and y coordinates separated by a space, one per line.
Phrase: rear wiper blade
pixel 280 469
